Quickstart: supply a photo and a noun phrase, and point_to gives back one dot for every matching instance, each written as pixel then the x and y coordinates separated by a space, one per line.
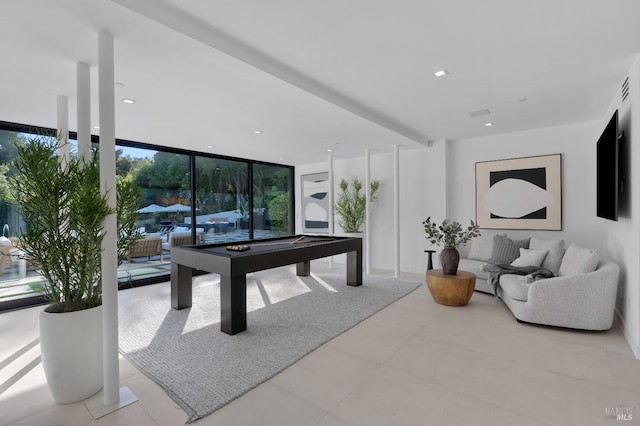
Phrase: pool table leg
pixel 233 303
pixel 303 269
pixel 354 268
pixel 181 286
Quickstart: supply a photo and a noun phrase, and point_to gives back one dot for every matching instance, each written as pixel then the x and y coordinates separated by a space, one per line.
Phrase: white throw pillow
pixel 530 257
pixel 578 260
pixel 553 259
pixel 482 247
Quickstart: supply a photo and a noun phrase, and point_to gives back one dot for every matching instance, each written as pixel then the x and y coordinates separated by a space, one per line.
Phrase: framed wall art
pixel 520 193
pixel 315 203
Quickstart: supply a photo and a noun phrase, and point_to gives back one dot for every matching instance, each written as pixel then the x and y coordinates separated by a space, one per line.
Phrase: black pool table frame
pixel 233 268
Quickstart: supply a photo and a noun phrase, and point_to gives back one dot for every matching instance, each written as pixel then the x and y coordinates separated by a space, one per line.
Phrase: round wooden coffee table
pixel 451 290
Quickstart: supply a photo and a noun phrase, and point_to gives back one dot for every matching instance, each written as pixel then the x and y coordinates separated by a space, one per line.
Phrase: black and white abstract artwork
pixel 315 203
pixel 520 193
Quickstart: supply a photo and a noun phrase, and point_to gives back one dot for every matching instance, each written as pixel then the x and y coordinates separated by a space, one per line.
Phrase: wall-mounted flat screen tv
pixel 608 170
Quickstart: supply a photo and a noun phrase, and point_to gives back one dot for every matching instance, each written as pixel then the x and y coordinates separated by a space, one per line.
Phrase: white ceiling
pixel 316 75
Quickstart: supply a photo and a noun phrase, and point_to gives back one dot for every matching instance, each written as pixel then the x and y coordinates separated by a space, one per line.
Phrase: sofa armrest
pixel 591 294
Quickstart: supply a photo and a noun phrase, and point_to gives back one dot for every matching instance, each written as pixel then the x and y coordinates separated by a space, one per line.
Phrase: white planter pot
pixel 71 346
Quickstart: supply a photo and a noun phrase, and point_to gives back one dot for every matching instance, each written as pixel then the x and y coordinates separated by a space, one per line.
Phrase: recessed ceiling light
pixel 96 127
pixel 129 101
pixel 488 124
pixel 209 146
pixel 257 132
pixel 281 159
pixel 441 73
pixel 329 150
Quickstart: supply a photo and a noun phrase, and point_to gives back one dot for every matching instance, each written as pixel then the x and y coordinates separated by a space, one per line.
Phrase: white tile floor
pixel 413 363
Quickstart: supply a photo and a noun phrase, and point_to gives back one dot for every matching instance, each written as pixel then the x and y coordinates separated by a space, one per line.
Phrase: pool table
pixel 233 267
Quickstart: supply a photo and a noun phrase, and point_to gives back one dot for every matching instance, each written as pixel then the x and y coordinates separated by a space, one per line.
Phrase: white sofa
pixel 581 295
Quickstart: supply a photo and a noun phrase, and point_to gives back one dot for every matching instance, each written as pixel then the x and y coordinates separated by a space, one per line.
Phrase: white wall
pixel 622 238
pixel 422 189
pixel 575 142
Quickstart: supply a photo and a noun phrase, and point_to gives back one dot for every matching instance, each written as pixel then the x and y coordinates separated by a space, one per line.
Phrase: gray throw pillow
pixel 506 250
pixel 482 247
pixel 553 259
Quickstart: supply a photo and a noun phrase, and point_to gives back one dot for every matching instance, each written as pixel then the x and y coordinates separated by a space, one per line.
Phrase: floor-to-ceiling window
pixel 165 182
pixel 17 277
pixel 228 199
pixel 222 199
pixel 272 196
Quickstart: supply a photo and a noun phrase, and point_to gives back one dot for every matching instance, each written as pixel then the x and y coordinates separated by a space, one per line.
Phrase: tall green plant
pixel 63 208
pixel 352 202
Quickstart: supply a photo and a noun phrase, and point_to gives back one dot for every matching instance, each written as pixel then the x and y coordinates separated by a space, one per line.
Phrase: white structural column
pixel 83 93
pixel 330 194
pixel 367 210
pixel 63 128
pixel 396 207
pixel 331 214
pixel 106 78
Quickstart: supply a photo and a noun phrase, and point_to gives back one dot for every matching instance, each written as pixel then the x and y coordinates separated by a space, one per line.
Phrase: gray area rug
pixel 203 369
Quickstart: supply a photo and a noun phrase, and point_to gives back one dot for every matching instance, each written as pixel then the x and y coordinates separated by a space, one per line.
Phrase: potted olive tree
pixel 352 202
pixel 351 208
pixel 63 209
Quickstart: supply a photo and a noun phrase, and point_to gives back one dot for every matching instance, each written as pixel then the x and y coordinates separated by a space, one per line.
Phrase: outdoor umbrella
pixel 176 208
pixel 152 208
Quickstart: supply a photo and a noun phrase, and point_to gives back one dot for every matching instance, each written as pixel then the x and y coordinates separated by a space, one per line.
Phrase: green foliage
pixel 4 183
pixel 268 182
pixel 351 204
pixel 450 233
pixel 64 210
pixel 166 171
pixel 124 164
pixel 8 142
pixel 128 202
pixel 279 213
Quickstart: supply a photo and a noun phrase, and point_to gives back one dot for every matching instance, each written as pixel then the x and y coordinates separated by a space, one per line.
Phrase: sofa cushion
pixel 553 259
pixel 578 260
pixel 482 247
pixel 515 286
pixel 506 250
pixel 530 257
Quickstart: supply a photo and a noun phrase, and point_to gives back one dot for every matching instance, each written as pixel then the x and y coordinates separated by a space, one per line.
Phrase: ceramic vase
pixel 449 259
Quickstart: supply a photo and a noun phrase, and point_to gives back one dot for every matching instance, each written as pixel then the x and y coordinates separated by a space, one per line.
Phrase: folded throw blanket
pixel 532 273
